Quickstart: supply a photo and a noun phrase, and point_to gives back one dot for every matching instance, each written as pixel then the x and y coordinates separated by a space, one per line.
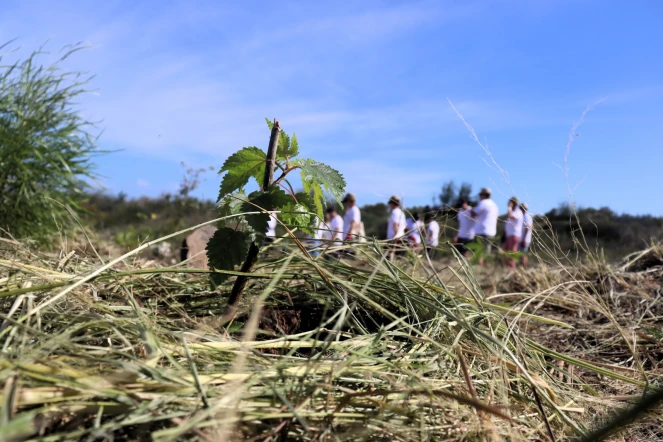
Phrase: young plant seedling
pixel 238 240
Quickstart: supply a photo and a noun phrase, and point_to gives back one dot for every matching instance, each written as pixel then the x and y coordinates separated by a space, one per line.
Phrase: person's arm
pixel 511 213
pixel 396 225
pixel 354 225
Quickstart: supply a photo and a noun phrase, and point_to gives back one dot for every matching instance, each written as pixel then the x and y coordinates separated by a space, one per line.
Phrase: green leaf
pixel 226 249
pixel 232 204
pixel 294 147
pixel 270 125
pixel 283 146
pixel 240 167
pixel 298 213
pixel 269 199
pixel 316 176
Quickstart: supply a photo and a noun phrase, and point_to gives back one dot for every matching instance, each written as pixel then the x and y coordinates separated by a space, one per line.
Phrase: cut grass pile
pixel 359 348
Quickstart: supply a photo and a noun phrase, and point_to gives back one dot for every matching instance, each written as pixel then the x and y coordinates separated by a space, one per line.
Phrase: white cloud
pixel 142 183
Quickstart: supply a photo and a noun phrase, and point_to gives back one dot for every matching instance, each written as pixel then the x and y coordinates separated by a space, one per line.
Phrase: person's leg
pixel 466 250
pixel 487 245
pixel 510 246
pixel 524 260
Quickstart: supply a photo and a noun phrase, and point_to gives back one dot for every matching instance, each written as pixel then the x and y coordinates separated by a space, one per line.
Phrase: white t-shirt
pixel 486 219
pixel 413 230
pixel 351 215
pixel 336 227
pixel 465 224
pixel 271 226
pixel 320 229
pixel 396 216
pixel 527 232
pixel 514 226
pixel 432 234
pixel 326 234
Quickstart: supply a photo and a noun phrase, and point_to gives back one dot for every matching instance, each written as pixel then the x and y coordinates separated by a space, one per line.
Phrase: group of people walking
pixel 476 225
pixel 479 225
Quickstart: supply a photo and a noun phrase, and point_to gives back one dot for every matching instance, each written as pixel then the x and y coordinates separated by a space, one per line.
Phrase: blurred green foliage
pixel 45 146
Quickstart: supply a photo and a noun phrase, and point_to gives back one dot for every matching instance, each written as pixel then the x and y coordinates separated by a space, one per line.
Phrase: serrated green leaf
pixel 270 125
pixel 232 204
pixel 298 213
pixel 288 147
pixel 225 250
pixel 269 199
pixel 294 147
pixel 318 197
pixel 240 167
pixel 316 176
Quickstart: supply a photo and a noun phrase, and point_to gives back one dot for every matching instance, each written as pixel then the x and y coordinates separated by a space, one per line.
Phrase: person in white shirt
pixel 335 226
pixel 396 222
pixel 432 234
pixel 270 234
pixel 465 233
pixel 320 233
pixel 485 220
pixel 351 218
pixel 526 237
pixel 514 229
pixel 412 230
pixel 421 226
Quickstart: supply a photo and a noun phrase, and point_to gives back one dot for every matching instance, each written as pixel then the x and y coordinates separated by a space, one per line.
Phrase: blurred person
pixel 395 225
pixel 320 232
pixel 326 235
pixel 513 230
pixel 432 234
pixel 396 222
pixel 335 226
pixel 465 233
pixel 412 231
pixel 421 227
pixel 485 221
pixel 526 236
pixel 270 234
pixel 351 218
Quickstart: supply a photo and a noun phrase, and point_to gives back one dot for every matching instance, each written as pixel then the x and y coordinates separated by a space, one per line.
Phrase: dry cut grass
pixel 356 349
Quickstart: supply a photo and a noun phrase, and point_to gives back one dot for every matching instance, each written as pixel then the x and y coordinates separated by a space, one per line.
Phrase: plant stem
pixel 271 156
pixel 252 256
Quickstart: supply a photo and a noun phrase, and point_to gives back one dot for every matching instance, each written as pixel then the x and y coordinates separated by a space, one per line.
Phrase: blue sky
pixel 365 86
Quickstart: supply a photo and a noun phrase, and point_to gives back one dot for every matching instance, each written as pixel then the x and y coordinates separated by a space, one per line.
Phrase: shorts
pixel 485 241
pixel 461 245
pixel 511 243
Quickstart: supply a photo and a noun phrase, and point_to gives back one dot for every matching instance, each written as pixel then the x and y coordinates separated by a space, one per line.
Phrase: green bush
pixel 45 146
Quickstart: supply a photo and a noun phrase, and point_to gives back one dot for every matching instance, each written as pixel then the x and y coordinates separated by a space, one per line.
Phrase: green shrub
pixel 45 146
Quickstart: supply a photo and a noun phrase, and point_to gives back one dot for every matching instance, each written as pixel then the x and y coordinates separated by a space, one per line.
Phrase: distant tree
pixel 465 192
pixel 449 195
pixel 45 146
